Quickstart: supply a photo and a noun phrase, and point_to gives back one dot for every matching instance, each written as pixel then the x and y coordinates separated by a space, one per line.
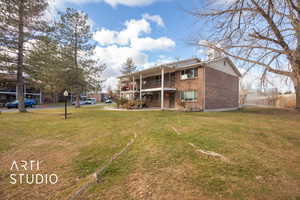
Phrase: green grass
pixel 263 146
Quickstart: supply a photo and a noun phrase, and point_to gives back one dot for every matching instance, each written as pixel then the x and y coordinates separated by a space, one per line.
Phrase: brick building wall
pixel 154 101
pixel 190 84
pixel 221 90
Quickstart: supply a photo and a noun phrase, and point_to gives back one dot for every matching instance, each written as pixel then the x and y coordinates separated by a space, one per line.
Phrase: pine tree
pixel 20 21
pixel 74 33
pixel 128 67
pixel 47 67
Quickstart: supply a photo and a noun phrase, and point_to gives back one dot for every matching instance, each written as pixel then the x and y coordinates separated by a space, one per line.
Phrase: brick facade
pixel 195 84
pixel 216 83
pixel 221 90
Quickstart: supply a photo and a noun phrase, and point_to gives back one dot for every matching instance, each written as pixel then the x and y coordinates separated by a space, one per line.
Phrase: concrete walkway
pixel 135 110
pixel 5 110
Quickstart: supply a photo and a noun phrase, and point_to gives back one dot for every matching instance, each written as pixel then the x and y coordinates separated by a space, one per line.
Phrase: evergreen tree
pixel 74 33
pixel 20 21
pixel 47 67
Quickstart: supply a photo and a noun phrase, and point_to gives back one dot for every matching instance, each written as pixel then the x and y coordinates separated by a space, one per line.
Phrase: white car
pixel 108 101
pixel 90 101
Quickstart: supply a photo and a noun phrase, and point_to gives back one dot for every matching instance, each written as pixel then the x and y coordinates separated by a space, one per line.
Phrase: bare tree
pixel 128 67
pixel 263 33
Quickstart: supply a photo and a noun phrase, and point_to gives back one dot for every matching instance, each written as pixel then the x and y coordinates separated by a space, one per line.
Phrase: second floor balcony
pixel 148 84
pixel 129 84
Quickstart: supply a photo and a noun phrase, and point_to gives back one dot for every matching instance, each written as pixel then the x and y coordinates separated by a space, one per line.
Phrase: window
pixel 189 95
pixel 189 73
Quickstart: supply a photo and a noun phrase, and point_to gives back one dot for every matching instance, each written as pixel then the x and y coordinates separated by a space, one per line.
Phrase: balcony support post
pixel 120 87
pixel 133 88
pixel 162 88
pixel 141 85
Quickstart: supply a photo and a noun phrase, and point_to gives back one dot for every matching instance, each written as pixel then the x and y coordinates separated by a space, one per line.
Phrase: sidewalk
pixel 45 107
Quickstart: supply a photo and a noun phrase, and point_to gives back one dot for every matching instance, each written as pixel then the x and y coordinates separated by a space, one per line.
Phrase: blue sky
pixel 149 31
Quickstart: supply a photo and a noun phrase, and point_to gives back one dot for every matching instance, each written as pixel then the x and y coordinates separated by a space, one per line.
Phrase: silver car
pixel 90 101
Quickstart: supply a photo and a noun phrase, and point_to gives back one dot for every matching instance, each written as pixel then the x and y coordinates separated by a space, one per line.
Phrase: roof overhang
pixel 148 72
pixel 176 66
pixel 157 71
pixel 169 67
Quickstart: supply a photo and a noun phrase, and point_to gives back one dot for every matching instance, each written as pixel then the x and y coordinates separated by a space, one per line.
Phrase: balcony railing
pixel 6 89
pixel 148 83
pixel 157 84
pixel 129 87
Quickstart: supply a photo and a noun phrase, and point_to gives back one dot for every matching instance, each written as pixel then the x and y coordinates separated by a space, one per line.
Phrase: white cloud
pixel 147 43
pixel 54 6
pixel 105 36
pixel 130 3
pixel 214 3
pixel 132 33
pixel 155 18
pixel 111 82
pixel 131 41
pixel 113 3
pixel 115 56
pixel 133 29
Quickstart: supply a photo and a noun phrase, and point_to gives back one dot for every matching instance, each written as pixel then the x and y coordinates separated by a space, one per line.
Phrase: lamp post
pixel 66 94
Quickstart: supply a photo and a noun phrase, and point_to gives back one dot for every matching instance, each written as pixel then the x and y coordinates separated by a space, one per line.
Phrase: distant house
pixel 8 84
pixel 191 84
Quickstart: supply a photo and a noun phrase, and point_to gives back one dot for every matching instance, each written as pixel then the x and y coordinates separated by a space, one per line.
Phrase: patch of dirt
pixel 168 183
pixel 56 159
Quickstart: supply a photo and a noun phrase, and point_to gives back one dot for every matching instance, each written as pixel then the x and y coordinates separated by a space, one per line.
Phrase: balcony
pixel 125 87
pixel 7 89
pixel 148 84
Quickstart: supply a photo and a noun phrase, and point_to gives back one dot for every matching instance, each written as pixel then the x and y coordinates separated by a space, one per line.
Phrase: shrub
pixel 133 104
pixel 121 102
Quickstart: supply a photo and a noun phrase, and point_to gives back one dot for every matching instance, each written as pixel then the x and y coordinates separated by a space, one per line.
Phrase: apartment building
pixel 8 84
pixel 191 84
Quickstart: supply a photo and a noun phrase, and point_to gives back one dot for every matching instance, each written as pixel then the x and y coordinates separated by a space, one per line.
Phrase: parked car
pixel 80 102
pixel 108 101
pixel 15 104
pixel 90 101
pixel 33 101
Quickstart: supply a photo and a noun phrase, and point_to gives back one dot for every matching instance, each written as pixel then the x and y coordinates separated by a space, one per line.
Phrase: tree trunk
pixel 297 90
pixel 77 104
pixel 297 84
pixel 20 79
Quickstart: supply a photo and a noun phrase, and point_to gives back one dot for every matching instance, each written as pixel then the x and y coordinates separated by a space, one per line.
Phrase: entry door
pixel 172 99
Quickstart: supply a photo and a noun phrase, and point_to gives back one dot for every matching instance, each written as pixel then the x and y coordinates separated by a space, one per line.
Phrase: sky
pixel 149 31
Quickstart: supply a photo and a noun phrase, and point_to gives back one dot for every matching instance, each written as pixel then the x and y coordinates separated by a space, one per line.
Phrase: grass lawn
pixel 262 145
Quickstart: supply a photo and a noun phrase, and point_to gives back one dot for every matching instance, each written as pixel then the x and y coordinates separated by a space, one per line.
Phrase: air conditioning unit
pixel 184 76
